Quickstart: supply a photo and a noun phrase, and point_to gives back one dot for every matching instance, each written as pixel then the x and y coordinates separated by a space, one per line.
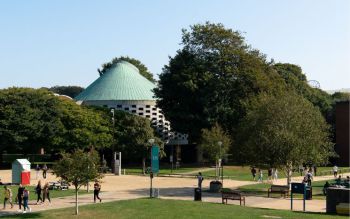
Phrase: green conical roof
pixel 120 82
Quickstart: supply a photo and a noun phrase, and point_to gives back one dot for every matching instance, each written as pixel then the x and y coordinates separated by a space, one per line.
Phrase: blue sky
pixel 47 43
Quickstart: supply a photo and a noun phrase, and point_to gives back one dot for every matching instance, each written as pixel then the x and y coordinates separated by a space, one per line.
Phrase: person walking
pixel 20 195
pixel 275 174
pixel 38 190
pixel 200 180
pixel 309 178
pixel 335 171
pixel 260 179
pixel 269 175
pixel 97 189
pixel 7 196
pixel 253 171
pixel 37 171
pixel 44 171
pixel 25 201
pixel 46 193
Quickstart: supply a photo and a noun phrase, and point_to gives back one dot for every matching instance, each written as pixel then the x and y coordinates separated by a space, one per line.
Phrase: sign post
pixel 298 188
pixel 155 159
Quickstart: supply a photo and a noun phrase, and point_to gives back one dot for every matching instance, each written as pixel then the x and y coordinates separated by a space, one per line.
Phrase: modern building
pixel 342 132
pixel 122 87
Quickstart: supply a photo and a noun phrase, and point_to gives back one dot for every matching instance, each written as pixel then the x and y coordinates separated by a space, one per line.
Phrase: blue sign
pixel 155 159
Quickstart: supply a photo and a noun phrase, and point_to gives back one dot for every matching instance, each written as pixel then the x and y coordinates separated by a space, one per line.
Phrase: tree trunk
pixel 289 172
pixel 76 201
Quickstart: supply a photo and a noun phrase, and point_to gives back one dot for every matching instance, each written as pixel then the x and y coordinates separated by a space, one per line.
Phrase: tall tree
pixel 142 68
pixel 206 81
pixel 71 91
pixel 214 143
pixel 132 134
pixel 78 168
pixel 283 130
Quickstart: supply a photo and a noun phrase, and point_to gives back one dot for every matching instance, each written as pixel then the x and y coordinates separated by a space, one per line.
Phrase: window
pixel 133 111
pixel 141 114
pixel 133 106
pixel 154 114
pixel 140 108
pixel 147 116
pixel 154 108
pixel 148 106
pixel 160 116
pixel 126 108
pixel 119 106
pixel 147 111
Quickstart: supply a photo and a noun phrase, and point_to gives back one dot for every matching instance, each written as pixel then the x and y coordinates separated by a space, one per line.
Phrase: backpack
pixel 25 193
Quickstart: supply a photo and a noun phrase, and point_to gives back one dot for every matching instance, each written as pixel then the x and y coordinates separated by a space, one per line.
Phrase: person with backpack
pixel 25 201
pixel 97 189
pixel 7 196
pixel 253 171
pixel 20 195
pixel 38 190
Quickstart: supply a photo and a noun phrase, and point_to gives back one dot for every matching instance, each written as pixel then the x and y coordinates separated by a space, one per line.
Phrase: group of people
pixel 44 169
pixel 272 174
pixel 22 198
pixel 45 191
pixel 308 177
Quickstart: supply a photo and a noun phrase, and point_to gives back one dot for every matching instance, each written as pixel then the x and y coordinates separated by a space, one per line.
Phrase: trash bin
pixel 197 194
pixel 308 193
pixel 25 177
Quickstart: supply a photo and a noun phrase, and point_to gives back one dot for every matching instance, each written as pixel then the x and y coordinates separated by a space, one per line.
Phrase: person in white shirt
pixel 335 170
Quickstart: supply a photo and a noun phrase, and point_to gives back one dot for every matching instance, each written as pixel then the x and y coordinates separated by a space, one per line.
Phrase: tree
pixel 78 168
pixel 142 68
pixel 296 80
pixel 71 91
pixel 283 131
pixel 31 119
pixel 209 143
pixel 206 81
pixel 132 134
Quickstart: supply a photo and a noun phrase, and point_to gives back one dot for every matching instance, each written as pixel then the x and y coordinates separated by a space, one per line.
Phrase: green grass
pixel 158 208
pixel 244 174
pixel 53 193
pixel 163 170
pixel 261 190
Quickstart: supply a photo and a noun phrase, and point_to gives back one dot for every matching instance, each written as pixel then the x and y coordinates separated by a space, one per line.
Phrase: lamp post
pixel 220 163
pixel 151 141
pixel 113 142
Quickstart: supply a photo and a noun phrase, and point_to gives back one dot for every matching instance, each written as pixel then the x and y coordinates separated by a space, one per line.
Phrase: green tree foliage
pixel 132 134
pixel 209 77
pixel 341 96
pixel 31 119
pixel 297 81
pixel 78 168
pixel 71 91
pixel 283 131
pixel 209 145
pixel 142 68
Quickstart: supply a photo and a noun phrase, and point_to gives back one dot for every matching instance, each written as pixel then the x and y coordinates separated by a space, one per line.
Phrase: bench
pixel 283 190
pixel 232 196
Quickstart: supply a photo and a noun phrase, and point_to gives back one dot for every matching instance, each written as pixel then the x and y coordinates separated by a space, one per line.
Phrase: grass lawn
pixel 163 170
pixel 158 208
pixel 261 190
pixel 53 193
pixel 243 173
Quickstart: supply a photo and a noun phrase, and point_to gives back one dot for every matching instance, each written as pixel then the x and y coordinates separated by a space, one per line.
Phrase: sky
pixel 48 43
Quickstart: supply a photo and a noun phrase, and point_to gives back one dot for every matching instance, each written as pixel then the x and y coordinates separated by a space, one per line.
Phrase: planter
pixel 215 186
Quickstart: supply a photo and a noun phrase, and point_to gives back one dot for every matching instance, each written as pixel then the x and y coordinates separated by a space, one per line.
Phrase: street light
pixel 113 142
pixel 151 141
pixel 220 163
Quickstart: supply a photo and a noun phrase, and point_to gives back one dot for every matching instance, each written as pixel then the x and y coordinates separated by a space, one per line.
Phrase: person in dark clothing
pixel 253 171
pixel 269 174
pixel 20 196
pixel 38 192
pixel 44 171
pixel 326 185
pixel 97 189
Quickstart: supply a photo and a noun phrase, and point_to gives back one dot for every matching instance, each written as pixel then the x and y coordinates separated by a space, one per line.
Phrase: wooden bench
pixel 233 196
pixel 283 190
